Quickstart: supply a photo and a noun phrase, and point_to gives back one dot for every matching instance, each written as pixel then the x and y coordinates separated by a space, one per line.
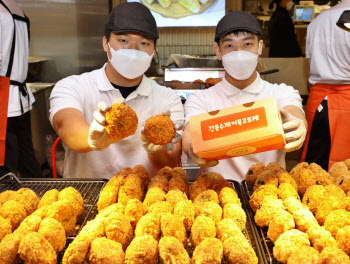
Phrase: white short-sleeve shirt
pixel 224 95
pixel 83 92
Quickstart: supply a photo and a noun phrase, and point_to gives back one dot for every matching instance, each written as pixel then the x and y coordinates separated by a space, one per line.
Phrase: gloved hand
pixel 294 129
pixel 201 162
pixel 98 138
pixel 151 148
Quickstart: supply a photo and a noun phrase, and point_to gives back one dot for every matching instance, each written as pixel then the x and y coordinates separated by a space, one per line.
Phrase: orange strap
pixel 4 95
pixel 339 118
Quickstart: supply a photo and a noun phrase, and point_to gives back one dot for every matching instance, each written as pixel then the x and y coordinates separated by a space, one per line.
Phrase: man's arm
pixel 166 158
pixel 71 126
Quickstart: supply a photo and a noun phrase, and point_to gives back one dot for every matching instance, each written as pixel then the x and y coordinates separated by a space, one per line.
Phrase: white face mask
pixel 240 64
pixel 130 63
pixel 289 5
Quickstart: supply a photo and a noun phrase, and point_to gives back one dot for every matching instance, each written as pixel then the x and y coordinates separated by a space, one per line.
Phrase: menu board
pixel 185 13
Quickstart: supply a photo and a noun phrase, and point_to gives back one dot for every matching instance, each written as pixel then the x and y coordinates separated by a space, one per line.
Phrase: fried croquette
pixel 108 196
pixel 236 213
pixel 267 177
pixel 160 208
pixel 289 242
pixel 333 190
pixel 185 210
pixel 253 172
pixel 41 212
pixel 334 255
pixel 142 250
pixel 328 205
pixel 228 195
pixel 313 196
pixel 220 184
pixel 320 238
pixel 121 121
pixel 64 212
pixel 159 181
pixel 206 196
pixel 203 227
pixel 296 170
pixel 34 248
pixel 54 233
pixel 275 167
pixel 337 169
pixel 114 208
pixel 238 250
pixel 209 209
pixel 6 196
pixel 166 171
pixel 179 171
pixel 74 197
pixel 9 248
pixel 304 219
pixel 344 181
pixel 132 188
pixel 134 211
pixel 210 250
pixel 106 251
pixel 142 173
pixel 175 196
pixel 172 251
pixel 153 195
pixel 148 224
pixel 287 190
pixel 227 228
pixel 159 129
pixel 284 177
pixel 49 198
pixel 268 211
pixel 30 224
pixel 307 255
pixel 343 239
pixel 119 229
pixel 119 178
pixel 336 220
pixel 171 225
pixel 27 198
pixel 281 223
pixel 260 194
pixel 292 204
pixel 177 183
pixel 14 212
pixel 5 228
pixel 306 179
pixel 322 176
pixel 204 182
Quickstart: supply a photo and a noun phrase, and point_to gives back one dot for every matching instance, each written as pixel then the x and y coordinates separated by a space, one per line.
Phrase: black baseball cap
pixel 237 20
pixel 132 17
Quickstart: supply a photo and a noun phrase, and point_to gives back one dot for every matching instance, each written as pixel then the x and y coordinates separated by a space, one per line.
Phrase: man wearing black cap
pixel 129 41
pixel 238 46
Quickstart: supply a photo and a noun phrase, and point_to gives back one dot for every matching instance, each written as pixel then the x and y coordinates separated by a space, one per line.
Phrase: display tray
pixel 88 188
pixel 260 233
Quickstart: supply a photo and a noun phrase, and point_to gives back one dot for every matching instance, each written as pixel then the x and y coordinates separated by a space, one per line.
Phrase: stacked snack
pixel 319 214
pixel 42 235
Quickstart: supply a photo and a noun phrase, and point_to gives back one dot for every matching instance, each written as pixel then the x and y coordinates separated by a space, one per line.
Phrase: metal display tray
pixel 261 233
pixel 88 188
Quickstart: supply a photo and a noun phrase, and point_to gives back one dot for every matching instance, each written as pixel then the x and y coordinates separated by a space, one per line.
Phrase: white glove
pixel 201 162
pixel 294 129
pixel 98 138
pixel 152 148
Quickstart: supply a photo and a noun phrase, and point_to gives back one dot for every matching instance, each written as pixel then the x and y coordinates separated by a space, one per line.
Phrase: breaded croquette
pixel 34 248
pixel 305 255
pixel 74 197
pixel 53 232
pixel 336 220
pixel 185 210
pixel 14 212
pixel 119 178
pixel 119 229
pixel 64 212
pixel 287 190
pixel 148 224
pixel 284 177
pixel 220 184
pixel 159 129
pixel 134 211
pixel 153 195
pixel 296 170
pixel 281 223
pixel 292 204
pixel 304 219
pixel 334 255
pixel 175 196
pixel 204 182
pixel 321 238
pixel 9 248
pixel 141 172
pixel 142 250
pixel 228 195
pixel 268 211
pixel 322 176
pixel 253 172
pixel 210 250
pixel 108 196
pixel 343 239
pixel 209 209
pixel 132 188
pixel 313 196
pixel 236 213
pixel 203 227
pixel 27 198
pixel 337 169
pixel 171 225
pixel 106 251
pixel 238 250
pixel 289 242
pixel 5 228
pixel 30 224
pixel 179 171
pixel 306 179
pixel 159 181
pixel 160 208
pixel 166 171
pixel 328 205
pixel 121 121
pixel 227 228
pixel 344 181
pixel 6 196
pixel 172 251
pixel 266 178
pixel 333 190
pixel 260 194
pixel 177 183
pixel 275 167
pixel 49 198
pixel 114 208
pixel 206 196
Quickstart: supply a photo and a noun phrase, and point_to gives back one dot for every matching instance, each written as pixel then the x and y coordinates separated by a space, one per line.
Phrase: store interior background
pixel 66 39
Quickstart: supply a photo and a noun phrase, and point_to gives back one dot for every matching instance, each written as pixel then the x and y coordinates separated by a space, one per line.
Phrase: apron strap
pixel 23 90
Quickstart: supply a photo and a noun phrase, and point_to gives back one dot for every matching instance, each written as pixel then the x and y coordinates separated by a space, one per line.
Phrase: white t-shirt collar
pixel 254 88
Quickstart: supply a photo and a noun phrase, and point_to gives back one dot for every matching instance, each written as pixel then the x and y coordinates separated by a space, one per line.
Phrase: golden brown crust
pixel 54 233
pixel 134 211
pixel 118 228
pixel 148 224
pixel 171 225
pixel 49 198
pixel 132 188
pixel 27 198
pixel 106 251
pixel 334 255
pixel 170 250
pixel 74 197
pixel 253 172
pixel 238 250
pixel 203 227
pixel 14 212
pixel 210 250
pixel 142 250
pixel 159 129
pixel 5 228
pixel 185 210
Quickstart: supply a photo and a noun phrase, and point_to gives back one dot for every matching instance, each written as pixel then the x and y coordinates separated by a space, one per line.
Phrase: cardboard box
pixel 237 131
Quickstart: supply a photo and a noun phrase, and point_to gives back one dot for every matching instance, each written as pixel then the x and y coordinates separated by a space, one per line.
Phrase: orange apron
pixel 4 95
pixel 339 118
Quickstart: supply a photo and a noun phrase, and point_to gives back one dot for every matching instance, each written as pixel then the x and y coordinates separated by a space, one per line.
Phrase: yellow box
pixel 237 131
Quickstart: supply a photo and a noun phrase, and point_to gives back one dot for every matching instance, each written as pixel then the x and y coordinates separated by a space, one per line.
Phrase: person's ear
pixel 105 44
pixel 261 44
pixel 217 52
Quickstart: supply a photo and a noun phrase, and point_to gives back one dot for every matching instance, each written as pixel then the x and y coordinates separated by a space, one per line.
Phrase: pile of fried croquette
pixel 159 129
pixel 306 211
pixel 121 121
pixel 46 223
pixel 172 219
